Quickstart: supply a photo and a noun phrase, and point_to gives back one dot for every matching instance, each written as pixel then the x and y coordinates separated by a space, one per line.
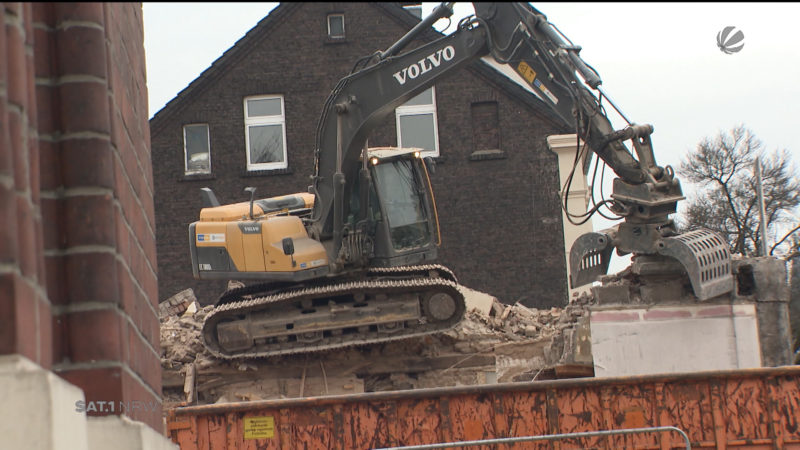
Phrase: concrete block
pixel 775 333
pixel 39 411
pixel 639 341
pixel 582 352
pixel 615 293
pixel 765 282
pixel 477 300
pixel 762 278
pixel 122 433
pixel 664 292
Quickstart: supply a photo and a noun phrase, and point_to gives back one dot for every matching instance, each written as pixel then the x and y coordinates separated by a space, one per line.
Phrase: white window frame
pixel 186 169
pixel 265 120
pixel 330 36
pixel 406 110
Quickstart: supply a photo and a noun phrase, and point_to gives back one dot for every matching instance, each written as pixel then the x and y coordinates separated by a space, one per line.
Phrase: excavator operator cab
pixel 402 210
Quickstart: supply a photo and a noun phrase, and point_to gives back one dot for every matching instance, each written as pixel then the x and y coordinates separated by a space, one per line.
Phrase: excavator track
pixel 386 304
pixel 427 270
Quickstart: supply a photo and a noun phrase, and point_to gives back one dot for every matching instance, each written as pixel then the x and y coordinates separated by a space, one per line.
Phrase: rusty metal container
pixel 753 408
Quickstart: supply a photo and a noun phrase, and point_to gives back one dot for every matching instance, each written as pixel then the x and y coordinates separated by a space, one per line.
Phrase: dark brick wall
pixel 78 286
pixel 500 218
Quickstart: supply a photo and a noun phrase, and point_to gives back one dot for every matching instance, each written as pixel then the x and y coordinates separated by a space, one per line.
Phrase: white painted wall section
pixel 122 433
pixel 674 339
pixel 38 411
pixel 565 146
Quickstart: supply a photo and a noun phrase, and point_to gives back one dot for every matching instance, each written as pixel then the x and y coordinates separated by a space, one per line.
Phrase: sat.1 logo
pixel 729 42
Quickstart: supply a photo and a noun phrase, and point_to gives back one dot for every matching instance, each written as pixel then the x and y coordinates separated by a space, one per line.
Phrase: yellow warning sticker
pixel 259 427
pixel 526 71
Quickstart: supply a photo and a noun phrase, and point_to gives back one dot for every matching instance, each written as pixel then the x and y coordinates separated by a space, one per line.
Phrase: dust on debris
pixel 494 343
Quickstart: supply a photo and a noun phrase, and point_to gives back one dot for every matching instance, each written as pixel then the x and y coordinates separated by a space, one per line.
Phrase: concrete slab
pixel 639 341
pixel 39 408
pixel 122 433
pixel 477 300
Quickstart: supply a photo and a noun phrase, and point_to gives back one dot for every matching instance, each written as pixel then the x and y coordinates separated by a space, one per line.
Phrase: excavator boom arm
pixel 517 35
pixel 363 100
pixel 512 33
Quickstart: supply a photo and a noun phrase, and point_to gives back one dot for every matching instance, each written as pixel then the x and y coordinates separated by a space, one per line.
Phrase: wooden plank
pixel 171 378
pixel 573 371
pixel 426 364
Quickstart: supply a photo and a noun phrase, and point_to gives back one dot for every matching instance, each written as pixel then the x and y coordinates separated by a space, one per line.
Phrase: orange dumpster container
pixel 751 408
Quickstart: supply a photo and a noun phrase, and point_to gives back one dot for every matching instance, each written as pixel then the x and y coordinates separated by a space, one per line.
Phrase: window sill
pixel 484 155
pixel 267 172
pixel 197 177
pixel 330 40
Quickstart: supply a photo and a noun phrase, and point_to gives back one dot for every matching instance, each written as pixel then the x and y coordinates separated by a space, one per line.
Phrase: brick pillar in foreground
pixel 25 320
pixel 76 210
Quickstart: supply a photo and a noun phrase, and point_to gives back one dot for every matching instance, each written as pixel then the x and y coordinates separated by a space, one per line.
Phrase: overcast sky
pixel 659 62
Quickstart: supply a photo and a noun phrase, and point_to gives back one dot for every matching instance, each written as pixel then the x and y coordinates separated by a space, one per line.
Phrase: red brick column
pixel 78 289
pixel 25 325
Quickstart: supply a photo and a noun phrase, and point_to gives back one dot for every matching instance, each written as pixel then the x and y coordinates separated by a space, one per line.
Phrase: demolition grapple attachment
pixel 702 254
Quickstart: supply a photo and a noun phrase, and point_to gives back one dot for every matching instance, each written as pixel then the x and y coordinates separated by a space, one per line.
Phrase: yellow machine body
pixel 228 242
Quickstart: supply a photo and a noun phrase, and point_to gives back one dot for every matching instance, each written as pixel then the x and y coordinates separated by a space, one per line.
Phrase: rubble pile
pixel 176 304
pixel 494 343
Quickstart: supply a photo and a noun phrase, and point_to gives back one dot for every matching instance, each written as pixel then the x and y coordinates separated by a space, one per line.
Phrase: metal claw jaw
pixel 590 255
pixel 702 253
pixel 706 258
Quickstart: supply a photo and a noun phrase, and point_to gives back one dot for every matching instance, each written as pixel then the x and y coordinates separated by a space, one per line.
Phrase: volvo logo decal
pixel 425 64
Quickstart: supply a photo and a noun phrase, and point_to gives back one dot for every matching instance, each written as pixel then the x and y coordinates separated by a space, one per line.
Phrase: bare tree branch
pixel 723 169
pixel 784 238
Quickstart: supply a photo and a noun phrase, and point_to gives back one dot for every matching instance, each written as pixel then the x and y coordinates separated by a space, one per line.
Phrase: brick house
pixel 496 182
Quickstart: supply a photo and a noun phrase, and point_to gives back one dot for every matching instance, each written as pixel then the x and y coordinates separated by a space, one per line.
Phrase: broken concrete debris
pixel 176 304
pixel 494 343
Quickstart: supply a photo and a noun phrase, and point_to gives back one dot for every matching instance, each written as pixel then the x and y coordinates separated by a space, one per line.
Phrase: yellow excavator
pixel 352 261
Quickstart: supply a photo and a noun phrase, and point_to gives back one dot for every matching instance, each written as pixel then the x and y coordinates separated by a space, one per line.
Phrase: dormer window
pixel 336 26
